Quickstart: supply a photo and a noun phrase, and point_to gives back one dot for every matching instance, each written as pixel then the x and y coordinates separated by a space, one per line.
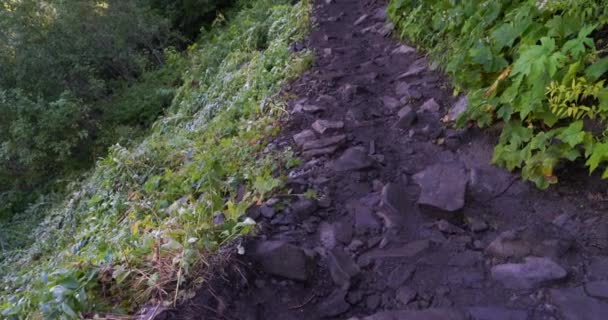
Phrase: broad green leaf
pixel 597 70
pixel 573 134
pixel 599 153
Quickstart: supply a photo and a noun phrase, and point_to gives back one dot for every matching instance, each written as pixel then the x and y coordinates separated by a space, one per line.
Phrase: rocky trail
pixel 411 221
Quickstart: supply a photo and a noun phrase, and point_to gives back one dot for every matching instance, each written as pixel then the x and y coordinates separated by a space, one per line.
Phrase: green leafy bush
pixel 144 222
pixel 532 65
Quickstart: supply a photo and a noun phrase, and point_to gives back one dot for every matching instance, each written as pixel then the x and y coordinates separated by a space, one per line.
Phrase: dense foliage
pixel 78 76
pixel 538 67
pixel 143 222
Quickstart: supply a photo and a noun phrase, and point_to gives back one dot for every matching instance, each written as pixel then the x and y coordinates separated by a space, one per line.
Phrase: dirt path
pixel 412 222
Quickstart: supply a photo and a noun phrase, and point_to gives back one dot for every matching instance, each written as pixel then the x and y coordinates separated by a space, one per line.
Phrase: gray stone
pixel 428 314
pixel 400 275
pixel 442 186
pixel 477 225
pixel 448 228
pixel 405 295
pixel 431 106
pixel 403 89
pixel 465 259
pixel 344 231
pixel 342 267
pixel 365 221
pixel 321 126
pixel 393 205
pixel 496 313
pixel 267 212
pixel 406 118
pixel 574 304
pixel 353 159
pixel 597 289
pixel 486 181
pixel 327 235
pixel 403 49
pixel 361 19
pixel 509 245
pixel 414 69
pixel 528 275
pixel 355 245
pixel 283 259
pixel 458 108
pixel 466 277
pixel 373 302
pixel 304 137
pixel 380 14
pixel 598 268
pixel 553 248
pixel 312 108
pixel 303 208
pixel 334 305
pixel 324 142
pixel 319 152
pixel 354 297
pixel 390 102
pixel 218 218
pixel 405 251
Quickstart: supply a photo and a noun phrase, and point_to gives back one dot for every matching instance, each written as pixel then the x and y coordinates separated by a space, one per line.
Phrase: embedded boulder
pixel 528 275
pixel 443 186
pixel 283 259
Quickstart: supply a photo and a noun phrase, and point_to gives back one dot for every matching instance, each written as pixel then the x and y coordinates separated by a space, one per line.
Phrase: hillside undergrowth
pixel 142 223
pixel 537 67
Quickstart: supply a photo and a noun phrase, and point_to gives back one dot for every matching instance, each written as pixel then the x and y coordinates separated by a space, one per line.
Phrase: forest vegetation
pixel 126 129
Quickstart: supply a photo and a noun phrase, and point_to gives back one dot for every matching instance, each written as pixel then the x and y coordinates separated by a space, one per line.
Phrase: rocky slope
pixel 411 221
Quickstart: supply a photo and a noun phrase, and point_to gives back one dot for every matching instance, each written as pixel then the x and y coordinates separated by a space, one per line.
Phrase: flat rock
pixel 403 89
pixel 428 314
pixel 393 205
pixel 400 275
pixel 528 275
pixel 598 268
pixel 267 211
pixel 467 277
pixel 403 49
pixel 361 20
pixel 407 117
pixel 373 301
pixel 365 220
pixel 430 106
pixel 418 67
pixel 509 244
pixel 308 108
pixel 390 102
pixel 486 181
pixel 319 152
pixel 324 142
pixel 443 186
pixel 405 251
pixel 304 137
pixel 458 108
pixel 496 313
pixel 327 235
pixel 405 295
pixel 597 289
pixel 334 305
pixel 331 234
pixel 465 259
pixel 353 159
pixel 342 267
pixel 321 126
pixel 283 259
pixel 303 207
pixel 574 304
